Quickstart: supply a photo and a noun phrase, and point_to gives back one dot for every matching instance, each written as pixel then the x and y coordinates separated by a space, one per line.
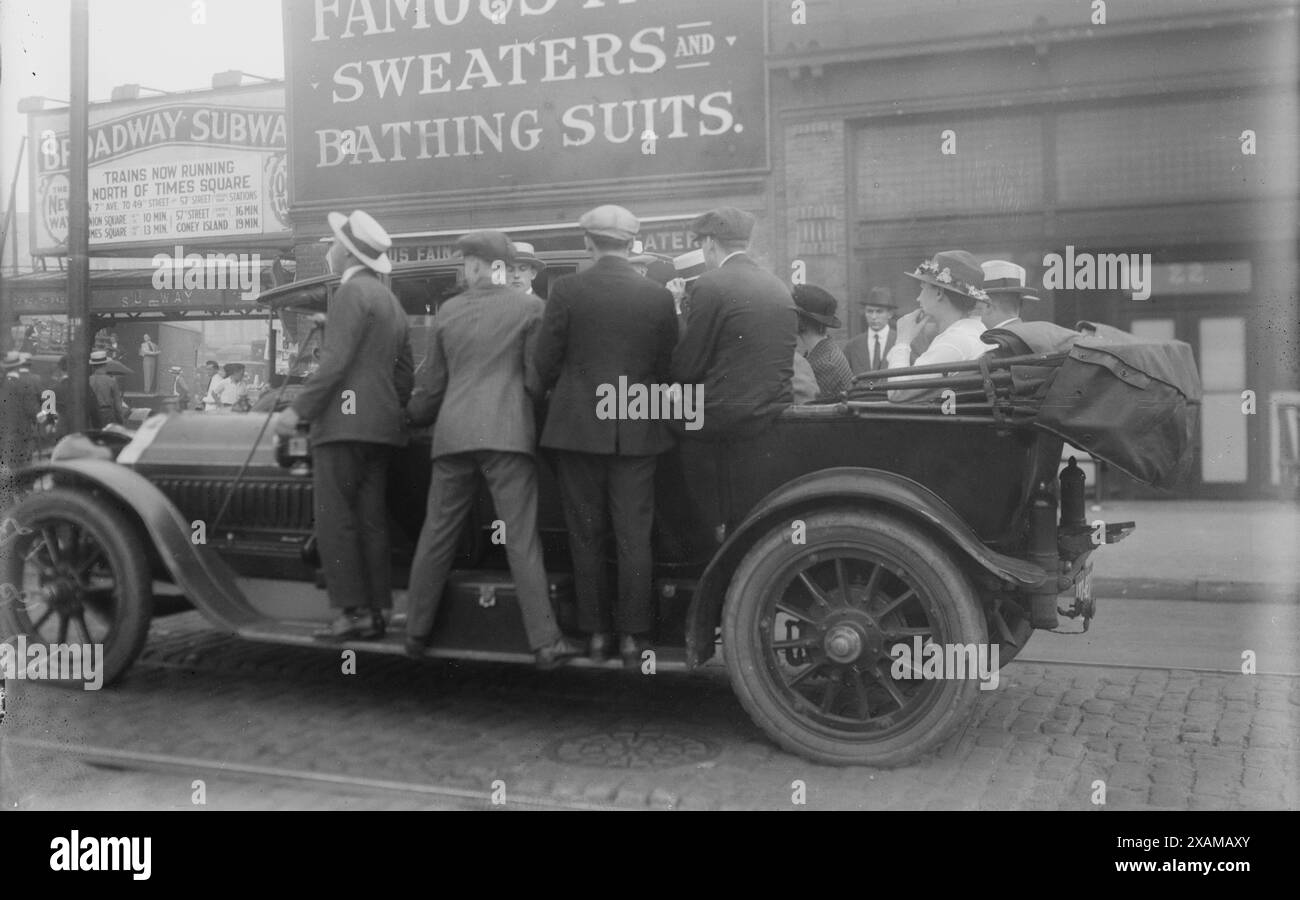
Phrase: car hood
pixel 201 440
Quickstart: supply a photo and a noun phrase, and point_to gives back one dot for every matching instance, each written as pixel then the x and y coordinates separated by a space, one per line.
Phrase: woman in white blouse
pixel 950 292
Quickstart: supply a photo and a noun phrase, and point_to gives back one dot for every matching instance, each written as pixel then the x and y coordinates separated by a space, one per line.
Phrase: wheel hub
pixel 63 594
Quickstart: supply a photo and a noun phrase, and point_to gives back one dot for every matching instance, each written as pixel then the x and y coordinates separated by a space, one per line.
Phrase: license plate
pixel 297 446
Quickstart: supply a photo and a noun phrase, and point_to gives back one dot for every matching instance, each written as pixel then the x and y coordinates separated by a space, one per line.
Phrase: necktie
pixel 875 352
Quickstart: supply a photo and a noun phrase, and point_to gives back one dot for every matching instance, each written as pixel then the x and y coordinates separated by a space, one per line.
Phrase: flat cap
pixel 726 223
pixel 610 221
pixel 486 245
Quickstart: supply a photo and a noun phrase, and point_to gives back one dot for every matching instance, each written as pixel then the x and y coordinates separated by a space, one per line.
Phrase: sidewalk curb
pixel 1213 591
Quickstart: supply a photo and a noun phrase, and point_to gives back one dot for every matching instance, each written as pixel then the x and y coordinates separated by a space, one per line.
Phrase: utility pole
pixel 79 222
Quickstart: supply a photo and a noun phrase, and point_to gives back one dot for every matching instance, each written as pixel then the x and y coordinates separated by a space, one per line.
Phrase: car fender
pixel 209 583
pixel 843 486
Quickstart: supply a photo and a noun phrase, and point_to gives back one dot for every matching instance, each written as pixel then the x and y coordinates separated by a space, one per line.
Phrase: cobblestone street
pixel 280 727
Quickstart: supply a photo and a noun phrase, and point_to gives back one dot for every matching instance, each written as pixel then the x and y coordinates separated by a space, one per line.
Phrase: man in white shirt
pixel 950 290
pixel 523 271
pixel 1004 282
pixel 868 351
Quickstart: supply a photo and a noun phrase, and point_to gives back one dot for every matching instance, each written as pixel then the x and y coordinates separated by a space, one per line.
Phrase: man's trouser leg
pixel 372 518
pixel 451 493
pixel 337 471
pixel 512 479
pixel 631 482
pixel 582 478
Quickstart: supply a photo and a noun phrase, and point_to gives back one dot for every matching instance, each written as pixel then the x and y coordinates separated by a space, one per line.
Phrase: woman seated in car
pixel 950 291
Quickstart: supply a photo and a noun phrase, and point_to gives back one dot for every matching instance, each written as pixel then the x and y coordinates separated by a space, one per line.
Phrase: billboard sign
pixel 184 168
pixel 435 98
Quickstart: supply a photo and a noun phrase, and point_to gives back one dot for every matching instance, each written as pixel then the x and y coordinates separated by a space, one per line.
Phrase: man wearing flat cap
pixel 477 389
pixel 354 404
pixel 602 325
pixel 816 309
pixel 740 333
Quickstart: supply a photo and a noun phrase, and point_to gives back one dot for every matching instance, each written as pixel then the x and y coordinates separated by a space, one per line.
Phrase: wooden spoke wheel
pixel 809 632
pixel 75 574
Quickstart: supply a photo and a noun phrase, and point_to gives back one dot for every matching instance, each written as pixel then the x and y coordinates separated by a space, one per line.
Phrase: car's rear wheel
pixel 75 573
pixel 808 629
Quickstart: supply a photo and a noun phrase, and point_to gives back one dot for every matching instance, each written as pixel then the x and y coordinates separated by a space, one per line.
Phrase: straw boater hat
pixel 99 358
pixel 524 253
pixel 364 239
pixel 174 370
pixel 690 265
pixel 955 271
pixel 13 359
pixel 1004 277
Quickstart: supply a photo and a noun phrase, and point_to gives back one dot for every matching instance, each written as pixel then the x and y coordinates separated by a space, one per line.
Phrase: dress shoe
pixel 415 645
pixel 630 649
pixel 354 625
pixel 552 655
pixel 599 646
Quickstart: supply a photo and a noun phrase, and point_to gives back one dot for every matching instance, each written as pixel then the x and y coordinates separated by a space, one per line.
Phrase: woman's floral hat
pixel 953 270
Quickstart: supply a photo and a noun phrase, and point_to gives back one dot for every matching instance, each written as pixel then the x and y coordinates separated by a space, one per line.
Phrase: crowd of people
pixel 498 355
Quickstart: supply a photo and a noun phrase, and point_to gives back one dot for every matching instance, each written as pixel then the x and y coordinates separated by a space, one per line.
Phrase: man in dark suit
pixel 354 404
pixel 476 384
pixel 605 327
pixel 740 333
pixel 867 351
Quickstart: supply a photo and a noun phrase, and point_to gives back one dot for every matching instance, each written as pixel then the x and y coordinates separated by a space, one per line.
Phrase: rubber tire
pixel 126 557
pixel 935 574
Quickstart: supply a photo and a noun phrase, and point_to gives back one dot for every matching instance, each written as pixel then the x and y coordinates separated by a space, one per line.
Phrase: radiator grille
pixel 279 505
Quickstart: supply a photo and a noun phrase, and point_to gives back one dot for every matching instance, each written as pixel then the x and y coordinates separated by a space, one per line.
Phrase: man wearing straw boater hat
pixel 523 271
pixel 354 403
pixel 106 404
pixel 1005 283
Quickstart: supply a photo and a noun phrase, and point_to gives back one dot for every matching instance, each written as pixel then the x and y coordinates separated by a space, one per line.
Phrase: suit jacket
pixel 477 382
pixel 858 350
pixel 739 342
pixel 602 324
pixel 367 350
pixel 106 404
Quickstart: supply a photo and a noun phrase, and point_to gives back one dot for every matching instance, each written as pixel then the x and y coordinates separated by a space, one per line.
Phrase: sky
pixel 171 45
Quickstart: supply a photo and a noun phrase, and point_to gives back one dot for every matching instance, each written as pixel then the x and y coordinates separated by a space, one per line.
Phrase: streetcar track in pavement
pixel 138 761
pixel 1144 667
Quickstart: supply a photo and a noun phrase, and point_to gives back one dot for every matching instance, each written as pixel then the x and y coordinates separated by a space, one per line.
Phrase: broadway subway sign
pixel 420 98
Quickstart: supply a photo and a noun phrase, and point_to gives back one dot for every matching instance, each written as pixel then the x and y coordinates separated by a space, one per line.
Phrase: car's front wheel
pixel 74 572
pixel 812 620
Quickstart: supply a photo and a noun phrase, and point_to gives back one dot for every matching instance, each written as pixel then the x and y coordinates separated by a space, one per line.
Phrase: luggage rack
pixel 983 389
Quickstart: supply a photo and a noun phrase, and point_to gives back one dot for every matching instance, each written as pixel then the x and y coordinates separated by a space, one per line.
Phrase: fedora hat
pixel 880 297
pixel 364 238
pixel 816 303
pixel 1004 277
pixel 525 253
pixel 690 265
pixel 952 270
